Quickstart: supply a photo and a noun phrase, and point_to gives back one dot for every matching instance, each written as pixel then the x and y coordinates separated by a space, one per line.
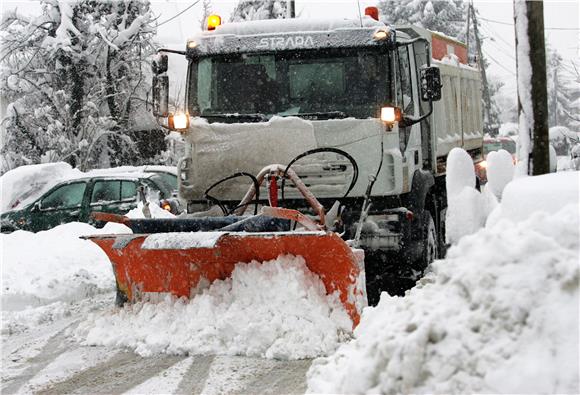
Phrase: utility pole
pixel 292 9
pixel 489 125
pixel 467 34
pixel 532 86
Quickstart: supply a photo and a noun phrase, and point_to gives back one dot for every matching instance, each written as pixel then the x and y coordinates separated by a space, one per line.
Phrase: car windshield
pixel 320 83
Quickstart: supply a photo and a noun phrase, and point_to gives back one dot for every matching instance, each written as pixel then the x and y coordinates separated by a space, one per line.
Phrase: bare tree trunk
pixel 532 86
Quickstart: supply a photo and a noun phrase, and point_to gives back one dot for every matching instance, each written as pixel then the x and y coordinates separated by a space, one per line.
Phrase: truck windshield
pixel 317 84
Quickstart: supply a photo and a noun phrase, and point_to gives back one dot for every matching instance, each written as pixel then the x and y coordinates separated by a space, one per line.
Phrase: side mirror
pixel 160 63
pixel 36 206
pixel 430 84
pixel 160 85
pixel 160 88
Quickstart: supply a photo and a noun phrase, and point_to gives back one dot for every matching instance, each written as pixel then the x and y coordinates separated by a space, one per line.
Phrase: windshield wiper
pixel 257 117
pixel 321 115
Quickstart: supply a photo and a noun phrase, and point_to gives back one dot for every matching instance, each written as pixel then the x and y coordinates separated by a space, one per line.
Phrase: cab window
pixel 67 196
pixel 106 191
pixel 406 85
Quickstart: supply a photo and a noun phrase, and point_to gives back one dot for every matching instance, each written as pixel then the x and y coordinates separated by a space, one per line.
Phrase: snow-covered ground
pixel 498 315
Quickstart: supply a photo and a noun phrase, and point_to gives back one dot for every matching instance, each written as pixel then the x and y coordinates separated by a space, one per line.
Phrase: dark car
pixel 74 200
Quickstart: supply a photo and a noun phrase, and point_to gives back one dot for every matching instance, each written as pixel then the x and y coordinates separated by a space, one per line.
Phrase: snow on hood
pixel 276 309
pixel 498 315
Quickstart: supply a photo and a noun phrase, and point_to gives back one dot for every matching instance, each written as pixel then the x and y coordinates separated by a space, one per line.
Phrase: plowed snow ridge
pixel 276 309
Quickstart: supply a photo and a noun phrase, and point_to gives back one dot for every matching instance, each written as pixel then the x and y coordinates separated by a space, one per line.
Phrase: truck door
pixel 408 100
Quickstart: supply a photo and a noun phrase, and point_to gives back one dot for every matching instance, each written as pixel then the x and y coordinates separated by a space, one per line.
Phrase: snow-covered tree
pixel 252 10
pixel 563 90
pixel 205 12
pixel 73 77
pixel 444 16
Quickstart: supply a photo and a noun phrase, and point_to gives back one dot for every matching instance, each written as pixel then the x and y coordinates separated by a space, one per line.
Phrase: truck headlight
pixel 390 114
pixel 179 121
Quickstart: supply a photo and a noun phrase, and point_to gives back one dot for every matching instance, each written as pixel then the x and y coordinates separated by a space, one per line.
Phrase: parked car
pixel 167 174
pixel 74 200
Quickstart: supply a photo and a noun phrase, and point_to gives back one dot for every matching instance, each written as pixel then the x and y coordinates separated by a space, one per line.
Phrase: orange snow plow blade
pixel 182 263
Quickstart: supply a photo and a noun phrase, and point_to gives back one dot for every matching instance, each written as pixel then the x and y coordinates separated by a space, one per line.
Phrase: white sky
pixel 498 45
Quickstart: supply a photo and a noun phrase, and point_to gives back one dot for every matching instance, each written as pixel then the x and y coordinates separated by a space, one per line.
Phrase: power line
pixel 494 35
pixel 178 14
pixel 492 41
pixel 545 28
pixel 499 64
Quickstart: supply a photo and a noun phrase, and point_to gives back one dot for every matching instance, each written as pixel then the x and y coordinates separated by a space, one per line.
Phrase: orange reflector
pixel 373 12
pixel 213 21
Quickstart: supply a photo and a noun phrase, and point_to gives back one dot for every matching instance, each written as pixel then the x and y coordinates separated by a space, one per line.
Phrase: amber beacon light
pixel 213 21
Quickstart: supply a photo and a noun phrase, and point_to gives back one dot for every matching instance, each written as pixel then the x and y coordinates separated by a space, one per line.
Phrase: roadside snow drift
pixel 277 309
pixel 54 265
pixel 498 315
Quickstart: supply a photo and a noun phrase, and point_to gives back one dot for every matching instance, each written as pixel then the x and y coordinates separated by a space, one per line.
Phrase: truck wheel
pixel 430 241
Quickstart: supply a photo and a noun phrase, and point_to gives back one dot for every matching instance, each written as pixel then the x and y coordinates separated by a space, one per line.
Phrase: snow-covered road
pixel 47 359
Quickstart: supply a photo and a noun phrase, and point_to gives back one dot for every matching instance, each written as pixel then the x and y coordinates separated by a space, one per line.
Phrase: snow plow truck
pixel 320 138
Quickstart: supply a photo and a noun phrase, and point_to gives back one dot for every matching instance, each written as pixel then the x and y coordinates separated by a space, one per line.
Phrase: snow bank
pixel 277 309
pixel 466 208
pixel 44 267
pixel 547 193
pixel 498 315
pixel 23 185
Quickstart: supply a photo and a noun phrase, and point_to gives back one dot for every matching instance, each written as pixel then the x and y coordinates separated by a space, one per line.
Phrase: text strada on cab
pixel 285 42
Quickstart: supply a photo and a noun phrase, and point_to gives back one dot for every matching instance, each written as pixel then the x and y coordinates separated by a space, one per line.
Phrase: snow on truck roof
pixel 287 34
pixel 294 25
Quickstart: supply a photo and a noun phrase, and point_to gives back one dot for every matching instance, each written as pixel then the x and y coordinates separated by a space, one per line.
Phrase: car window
pixel 128 190
pixel 106 191
pixel 166 181
pixel 169 179
pixel 67 196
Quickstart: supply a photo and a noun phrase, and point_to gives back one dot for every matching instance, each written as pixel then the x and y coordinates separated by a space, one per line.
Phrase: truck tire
pixel 430 241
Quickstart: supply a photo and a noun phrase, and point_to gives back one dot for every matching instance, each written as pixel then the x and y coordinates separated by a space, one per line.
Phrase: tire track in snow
pixel 194 379
pixel 48 353
pixel 286 377
pixel 119 374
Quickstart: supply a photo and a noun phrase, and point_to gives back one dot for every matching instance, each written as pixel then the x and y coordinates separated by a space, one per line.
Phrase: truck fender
pixel 422 183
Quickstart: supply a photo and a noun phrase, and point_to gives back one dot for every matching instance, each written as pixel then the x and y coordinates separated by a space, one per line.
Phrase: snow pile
pixel 466 211
pixel 498 315
pixel 23 185
pixel 277 309
pixel 500 171
pixel 40 268
pixel 154 210
pixel 547 193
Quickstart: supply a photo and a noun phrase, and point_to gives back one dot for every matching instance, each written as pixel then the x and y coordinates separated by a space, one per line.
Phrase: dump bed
pixel 457 118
